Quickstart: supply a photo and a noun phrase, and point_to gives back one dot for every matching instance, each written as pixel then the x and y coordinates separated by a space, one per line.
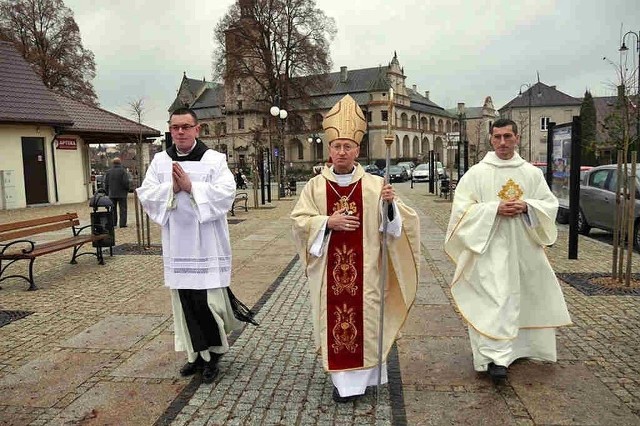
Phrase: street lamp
pixel 314 141
pixel 282 114
pixel 624 48
pixel 528 86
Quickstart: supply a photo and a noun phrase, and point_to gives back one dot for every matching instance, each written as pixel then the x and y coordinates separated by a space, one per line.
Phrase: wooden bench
pixel 17 248
pixel 241 198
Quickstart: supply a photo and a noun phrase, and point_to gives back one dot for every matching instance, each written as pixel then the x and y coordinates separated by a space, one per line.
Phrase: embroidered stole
pixel 345 295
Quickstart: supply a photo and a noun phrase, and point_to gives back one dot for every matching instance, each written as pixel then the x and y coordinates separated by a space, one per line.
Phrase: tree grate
pixel 7 317
pixel 582 282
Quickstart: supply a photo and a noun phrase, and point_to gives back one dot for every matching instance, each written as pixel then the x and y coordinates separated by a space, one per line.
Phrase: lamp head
pixel 283 114
pixel 623 48
pixel 274 111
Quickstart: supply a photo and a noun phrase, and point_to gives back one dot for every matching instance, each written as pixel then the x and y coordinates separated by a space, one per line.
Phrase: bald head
pixel 116 161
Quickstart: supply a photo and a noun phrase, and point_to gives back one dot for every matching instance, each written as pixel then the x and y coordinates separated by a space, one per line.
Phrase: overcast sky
pixel 461 51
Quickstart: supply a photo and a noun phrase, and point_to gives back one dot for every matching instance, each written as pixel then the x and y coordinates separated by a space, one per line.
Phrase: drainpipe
pixel 56 132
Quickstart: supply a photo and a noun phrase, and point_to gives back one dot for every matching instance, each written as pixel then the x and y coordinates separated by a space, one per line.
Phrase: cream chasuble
pixel 503 280
pixel 195 233
pixel 344 279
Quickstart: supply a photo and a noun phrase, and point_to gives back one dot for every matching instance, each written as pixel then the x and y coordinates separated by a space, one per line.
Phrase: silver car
pixel 598 201
pixel 421 173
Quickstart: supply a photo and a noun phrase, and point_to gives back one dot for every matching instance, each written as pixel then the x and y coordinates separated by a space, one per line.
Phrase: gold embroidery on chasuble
pixel 510 191
pixel 344 203
pixel 345 331
pixel 345 272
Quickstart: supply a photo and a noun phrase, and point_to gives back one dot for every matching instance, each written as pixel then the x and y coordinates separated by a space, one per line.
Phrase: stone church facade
pixel 231 123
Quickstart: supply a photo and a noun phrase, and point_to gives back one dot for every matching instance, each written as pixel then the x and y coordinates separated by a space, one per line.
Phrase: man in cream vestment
pixel 337 224
pixel 188 190
pixel 502 218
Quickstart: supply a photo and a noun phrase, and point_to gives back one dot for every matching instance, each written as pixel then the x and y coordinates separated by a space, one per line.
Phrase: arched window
pixel 319 149
pixel 297 146
pixel 296 123
pixel 440 126
pixel 316 122
pixel 416 146
pixel 424 149
pixel 404 120
pixel 397 147
pixel 414 122
pixel 456 127
pixel 204 130
pixel 432 124
pixel 423 123
pixel 405 147
pixel 448 126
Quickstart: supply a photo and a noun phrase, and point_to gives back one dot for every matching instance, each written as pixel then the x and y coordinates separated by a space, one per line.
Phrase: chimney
pixel 553 87
pixel 343 74
pixel 415 88
pixel 426 94
pixel 460 107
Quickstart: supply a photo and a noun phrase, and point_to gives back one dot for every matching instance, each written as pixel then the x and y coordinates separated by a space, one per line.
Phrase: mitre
pixel 345 121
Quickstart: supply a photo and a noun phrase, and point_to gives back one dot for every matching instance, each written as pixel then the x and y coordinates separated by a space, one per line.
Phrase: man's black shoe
pixel 190 368
pixel 209 372
pixel 342 399
pixel 497 372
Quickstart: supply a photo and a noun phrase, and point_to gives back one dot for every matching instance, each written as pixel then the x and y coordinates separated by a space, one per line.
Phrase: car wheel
pixel 583 226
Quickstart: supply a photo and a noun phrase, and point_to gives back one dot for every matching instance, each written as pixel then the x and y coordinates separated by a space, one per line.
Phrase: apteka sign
pixel 66 143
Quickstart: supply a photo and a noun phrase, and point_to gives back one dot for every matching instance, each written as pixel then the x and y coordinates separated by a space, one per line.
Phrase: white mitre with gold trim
pixel 345 121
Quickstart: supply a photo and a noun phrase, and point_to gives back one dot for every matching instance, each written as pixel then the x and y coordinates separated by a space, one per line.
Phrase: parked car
pixel 598 201
pixel 409 165
pixel 374 170
pixel 398 174
pixel 440 168
pixel 421 173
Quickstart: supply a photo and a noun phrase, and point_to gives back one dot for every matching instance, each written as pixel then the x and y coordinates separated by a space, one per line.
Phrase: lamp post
pixel 528 86
pixel 624 48
pixel 282 114
pixel 314 141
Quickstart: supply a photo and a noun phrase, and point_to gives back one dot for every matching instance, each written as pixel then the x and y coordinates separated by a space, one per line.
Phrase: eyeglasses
pixel 184 127
pixel 345 148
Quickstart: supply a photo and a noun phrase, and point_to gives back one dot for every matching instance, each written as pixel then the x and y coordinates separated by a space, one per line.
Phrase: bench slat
pixel 53 246
pixel 35 222
pixel 12 235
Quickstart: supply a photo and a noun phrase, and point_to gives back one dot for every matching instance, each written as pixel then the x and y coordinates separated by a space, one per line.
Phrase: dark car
pixel 373 169
pixel 398 174
pixel 598 201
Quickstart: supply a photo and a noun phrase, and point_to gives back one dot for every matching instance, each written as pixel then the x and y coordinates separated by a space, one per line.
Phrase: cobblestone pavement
pixel 98 348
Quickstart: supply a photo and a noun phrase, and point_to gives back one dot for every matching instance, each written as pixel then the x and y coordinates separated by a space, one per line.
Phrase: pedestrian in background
pixel 337 224
pixel 116 185
pixel 502 218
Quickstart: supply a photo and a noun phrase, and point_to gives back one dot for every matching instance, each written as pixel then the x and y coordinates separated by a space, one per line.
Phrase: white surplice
pixel 195 233
pixel 503 283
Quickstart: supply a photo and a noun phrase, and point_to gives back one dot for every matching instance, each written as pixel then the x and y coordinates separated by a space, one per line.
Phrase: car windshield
pixel 422 167
pixel 395 169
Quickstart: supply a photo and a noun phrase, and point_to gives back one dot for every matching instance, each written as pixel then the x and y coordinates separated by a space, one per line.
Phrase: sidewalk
pixel 98 347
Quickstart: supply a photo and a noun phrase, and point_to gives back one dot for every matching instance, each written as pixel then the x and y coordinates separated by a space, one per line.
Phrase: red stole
pixel 345 295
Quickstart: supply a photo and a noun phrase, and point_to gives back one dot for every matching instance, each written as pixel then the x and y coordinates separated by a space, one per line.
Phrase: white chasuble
pixel 503 280
pixel 309 218
pixel 195 234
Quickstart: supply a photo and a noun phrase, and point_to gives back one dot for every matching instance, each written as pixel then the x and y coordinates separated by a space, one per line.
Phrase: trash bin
pixel 102 220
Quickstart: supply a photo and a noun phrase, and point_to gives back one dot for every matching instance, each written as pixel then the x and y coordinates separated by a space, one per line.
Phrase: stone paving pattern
pixel 99 347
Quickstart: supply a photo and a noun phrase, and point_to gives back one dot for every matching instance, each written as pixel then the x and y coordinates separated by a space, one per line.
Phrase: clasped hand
pixel 512 208
pixel 181 180
pixel 340 220
pixel 388 194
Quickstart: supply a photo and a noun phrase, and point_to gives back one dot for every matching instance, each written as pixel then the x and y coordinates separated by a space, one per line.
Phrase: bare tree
pixel 271 42
pixel 620 125
pixel 47 36
pixel 136 108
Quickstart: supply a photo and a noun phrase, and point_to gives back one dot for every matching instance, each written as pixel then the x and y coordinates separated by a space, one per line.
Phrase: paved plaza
pixel 97 346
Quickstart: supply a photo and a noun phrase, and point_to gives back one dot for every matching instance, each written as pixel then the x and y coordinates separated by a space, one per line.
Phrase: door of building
pixel 35 170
